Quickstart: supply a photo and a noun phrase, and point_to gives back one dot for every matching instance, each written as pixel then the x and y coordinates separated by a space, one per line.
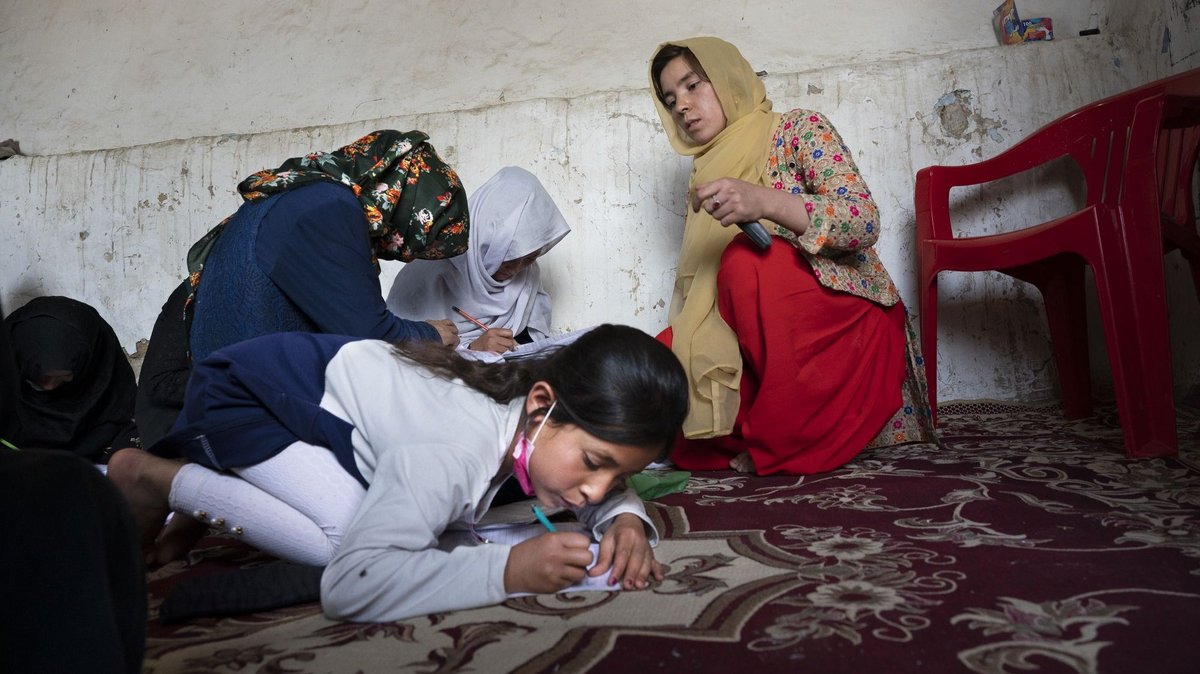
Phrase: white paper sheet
pixel 511 534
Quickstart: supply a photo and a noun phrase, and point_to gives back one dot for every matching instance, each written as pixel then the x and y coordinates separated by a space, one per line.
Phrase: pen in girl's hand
pixel 541 516
pixel 471 318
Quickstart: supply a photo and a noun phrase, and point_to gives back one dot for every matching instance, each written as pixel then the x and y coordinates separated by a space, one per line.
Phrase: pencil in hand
pixel 541 517
pixel 471 318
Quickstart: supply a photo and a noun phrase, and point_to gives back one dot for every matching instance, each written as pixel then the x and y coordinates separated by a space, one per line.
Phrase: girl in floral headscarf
pixel 798 356
pixel 302 252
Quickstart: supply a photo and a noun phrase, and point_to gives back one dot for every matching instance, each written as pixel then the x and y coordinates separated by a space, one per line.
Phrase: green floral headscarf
pixel 414 203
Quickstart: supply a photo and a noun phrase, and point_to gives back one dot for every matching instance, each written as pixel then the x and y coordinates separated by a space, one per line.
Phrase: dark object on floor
pixel 257 588
pixel 72 583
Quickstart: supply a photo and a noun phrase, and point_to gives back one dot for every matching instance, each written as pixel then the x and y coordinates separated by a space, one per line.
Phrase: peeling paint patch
pixel 954 112
pixel 958 120
pixel 813 90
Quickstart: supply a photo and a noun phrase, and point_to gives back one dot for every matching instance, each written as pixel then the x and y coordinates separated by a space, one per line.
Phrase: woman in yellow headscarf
pixel 800 355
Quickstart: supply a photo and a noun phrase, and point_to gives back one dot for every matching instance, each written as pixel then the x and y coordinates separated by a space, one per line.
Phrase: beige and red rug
pixel 1024 543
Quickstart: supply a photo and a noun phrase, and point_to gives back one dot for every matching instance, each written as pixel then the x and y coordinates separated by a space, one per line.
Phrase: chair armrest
pixel 1082 135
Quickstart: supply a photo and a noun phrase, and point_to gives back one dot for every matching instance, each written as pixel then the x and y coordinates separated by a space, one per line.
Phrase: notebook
pixel 524 350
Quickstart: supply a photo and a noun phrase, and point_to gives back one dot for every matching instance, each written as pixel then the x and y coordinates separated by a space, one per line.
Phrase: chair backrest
pixel 1177 145
pixel 1178 150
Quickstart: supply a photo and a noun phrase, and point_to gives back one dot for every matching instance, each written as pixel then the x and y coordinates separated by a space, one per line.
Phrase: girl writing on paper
pixel 358 454
pixel 497 281
pixel 800 356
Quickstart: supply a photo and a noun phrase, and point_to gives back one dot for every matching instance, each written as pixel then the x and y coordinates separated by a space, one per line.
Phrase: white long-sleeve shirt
pixel 431 450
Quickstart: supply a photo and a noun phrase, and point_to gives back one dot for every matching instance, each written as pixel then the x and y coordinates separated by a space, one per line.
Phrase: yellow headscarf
pixel 703 342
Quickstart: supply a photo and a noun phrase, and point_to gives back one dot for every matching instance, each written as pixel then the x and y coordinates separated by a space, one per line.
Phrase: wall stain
pixel 636 278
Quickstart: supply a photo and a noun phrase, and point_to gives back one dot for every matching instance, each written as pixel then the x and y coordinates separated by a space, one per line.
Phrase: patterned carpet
pixel 1025 543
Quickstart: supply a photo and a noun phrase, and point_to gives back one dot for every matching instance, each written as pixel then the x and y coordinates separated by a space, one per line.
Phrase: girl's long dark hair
pixel 615 382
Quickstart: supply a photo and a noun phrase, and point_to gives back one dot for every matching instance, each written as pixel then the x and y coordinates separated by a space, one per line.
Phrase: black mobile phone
pixel 757 233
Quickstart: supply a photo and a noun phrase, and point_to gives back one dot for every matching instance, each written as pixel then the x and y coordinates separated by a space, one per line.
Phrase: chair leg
pixel 928 307
pixel 1066 312
pixel 1131 289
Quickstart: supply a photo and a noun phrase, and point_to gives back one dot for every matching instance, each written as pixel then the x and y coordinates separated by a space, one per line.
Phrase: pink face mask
pixel 523 451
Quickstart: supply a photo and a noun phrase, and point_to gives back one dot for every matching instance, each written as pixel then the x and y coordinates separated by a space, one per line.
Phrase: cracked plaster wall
pixel 112 226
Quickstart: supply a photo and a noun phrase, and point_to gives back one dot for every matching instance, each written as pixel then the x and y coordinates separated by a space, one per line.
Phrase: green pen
pixel 537 512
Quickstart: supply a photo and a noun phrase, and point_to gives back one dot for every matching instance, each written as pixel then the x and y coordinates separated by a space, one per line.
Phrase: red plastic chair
pixel 1117 232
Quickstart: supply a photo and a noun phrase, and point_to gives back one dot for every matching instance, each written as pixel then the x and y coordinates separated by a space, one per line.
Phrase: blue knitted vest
pixel 236 300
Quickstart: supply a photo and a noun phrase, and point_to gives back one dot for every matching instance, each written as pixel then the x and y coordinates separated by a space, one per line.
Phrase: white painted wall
pixel 141 119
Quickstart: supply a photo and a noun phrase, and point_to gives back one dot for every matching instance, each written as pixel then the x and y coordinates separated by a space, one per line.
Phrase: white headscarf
pixel 512 216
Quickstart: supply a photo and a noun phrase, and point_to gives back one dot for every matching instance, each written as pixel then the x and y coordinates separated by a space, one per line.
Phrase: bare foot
pixel 177 538
pixel 145 481
pixel 742 463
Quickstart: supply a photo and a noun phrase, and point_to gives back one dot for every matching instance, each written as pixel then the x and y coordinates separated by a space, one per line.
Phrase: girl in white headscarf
pixel 497 281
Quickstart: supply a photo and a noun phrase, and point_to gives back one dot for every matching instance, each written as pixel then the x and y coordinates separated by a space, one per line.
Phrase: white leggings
pixel 296 505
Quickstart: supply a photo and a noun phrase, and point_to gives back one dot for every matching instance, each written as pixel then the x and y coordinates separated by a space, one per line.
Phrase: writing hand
pixel 627 552
pixel 496 340
pixel 547 563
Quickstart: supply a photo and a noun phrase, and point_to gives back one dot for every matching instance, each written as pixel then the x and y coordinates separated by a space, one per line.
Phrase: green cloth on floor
pixel 651 484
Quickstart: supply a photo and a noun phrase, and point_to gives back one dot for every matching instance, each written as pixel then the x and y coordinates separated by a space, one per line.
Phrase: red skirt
pixel 822 370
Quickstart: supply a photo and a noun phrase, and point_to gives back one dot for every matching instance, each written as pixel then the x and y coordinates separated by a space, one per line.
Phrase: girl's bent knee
pixel 741 253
